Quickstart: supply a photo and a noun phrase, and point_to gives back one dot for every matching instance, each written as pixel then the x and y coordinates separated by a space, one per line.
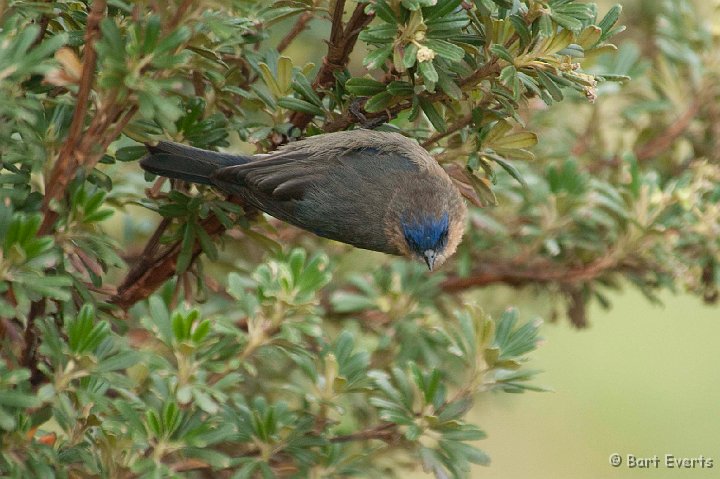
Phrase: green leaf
pixel 173 41
pixel 130 153
pixel 364 86
pixel 473 454
pixel 376 58
pixel 448 85
pixel 438 122
pixel 521 28
pixel 445 49
pixel 303 87
pixel 120 361
pixel 379 34
pixel 516 141
pixel 400 88
pixel 206 243
pixel 284 73
pixel 510 168
pixel 573 50
pixel 441 9
pixel 501 52
pixel 19 399
pixel 550 85
pixel 589 37
pixel 383 10
pixel 427 70
pixel 346 302
pixel 296 104
pixel 464 432
pixel 609 21
pixel 269 80
pixel 379 102
pixel 558 42
pixel 410 55
pixel 482 188
pixel 566 21
pixel 186 248
pixel 451 24
pixel 411 4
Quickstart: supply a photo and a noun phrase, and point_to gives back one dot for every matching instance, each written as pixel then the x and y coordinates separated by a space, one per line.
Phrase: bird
pixel 374 190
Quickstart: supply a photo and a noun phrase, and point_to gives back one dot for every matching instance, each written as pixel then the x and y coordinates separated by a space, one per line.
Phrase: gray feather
pixel 187 163
pixel 357 187
pixel 343 198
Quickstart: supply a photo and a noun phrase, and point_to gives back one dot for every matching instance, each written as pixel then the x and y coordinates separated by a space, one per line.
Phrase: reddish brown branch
pixel 29 358
pixel 179 14
pixel 341 44
pixel 64 167
pixel 521 275
pixel 296 30
pixel 44 22
pixel 146 257
pixel 152 271
pixel 154 267
pixel 120 120
pixel 664 141
pixel 387 432
pixel 384 432
pixel 659 144
pixel 455 127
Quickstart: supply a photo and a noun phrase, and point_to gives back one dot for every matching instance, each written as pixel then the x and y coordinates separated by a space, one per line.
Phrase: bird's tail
pixel 186 163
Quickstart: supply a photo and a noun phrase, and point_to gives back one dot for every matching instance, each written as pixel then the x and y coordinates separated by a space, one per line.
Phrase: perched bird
pixel 373 190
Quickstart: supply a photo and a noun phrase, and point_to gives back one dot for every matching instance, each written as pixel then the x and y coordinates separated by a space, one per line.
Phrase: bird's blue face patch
pixel 428 234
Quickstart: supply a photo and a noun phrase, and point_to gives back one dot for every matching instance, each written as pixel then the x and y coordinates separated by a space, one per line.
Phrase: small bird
pixel 373 190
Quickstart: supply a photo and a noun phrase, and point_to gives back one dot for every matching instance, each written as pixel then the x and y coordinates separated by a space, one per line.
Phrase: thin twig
pixel 29 358
pixel 64 166
pixel 664 141
pixel 660 143
pixel 179 14
pixel 384 432
pixel 341 44
pixel 520 275
pixel 152 271
pixel 117 130
pixel 148 253
pixel 297 29
pixel 44 22
pixel 457 126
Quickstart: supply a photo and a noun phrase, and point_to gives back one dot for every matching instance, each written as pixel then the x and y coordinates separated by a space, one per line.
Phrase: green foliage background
pixel 216 342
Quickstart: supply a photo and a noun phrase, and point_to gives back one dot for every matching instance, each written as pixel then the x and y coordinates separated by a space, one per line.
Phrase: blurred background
pixel 641 380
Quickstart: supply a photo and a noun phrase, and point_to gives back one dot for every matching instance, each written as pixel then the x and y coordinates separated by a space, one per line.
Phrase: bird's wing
pixel 290 175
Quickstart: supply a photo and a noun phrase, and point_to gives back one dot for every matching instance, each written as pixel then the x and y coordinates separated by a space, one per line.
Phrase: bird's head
pixel 431 239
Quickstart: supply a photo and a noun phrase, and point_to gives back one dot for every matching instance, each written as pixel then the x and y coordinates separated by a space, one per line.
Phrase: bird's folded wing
pixel 289 176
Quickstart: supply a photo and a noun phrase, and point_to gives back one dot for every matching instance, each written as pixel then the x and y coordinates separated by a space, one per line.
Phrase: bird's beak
pixel 430 257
